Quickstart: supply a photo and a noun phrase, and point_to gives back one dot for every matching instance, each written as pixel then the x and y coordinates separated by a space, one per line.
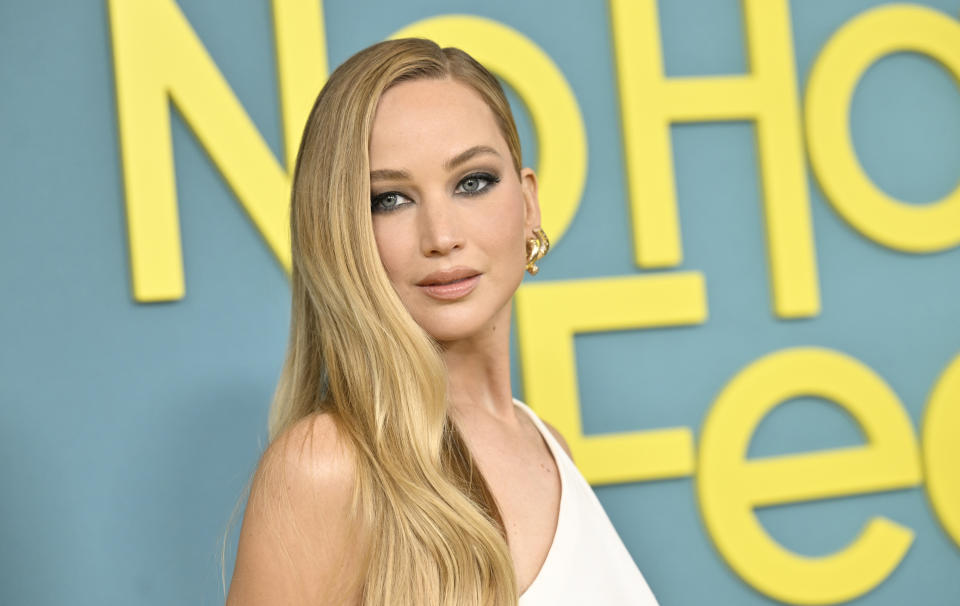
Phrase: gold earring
pixel 537 247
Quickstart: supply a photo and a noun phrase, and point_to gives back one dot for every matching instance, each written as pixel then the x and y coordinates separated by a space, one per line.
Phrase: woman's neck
pixel 479 371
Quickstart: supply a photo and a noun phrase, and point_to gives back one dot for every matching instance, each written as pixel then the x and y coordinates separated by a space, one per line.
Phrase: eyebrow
pixel 463 156
pixel 389 174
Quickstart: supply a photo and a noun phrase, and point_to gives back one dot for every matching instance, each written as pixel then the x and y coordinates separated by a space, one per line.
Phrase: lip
pixel 450 284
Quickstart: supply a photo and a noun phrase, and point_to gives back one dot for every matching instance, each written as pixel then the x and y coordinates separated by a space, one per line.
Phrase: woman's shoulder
pixel 311 464
pixel 314 449
pixel 299 538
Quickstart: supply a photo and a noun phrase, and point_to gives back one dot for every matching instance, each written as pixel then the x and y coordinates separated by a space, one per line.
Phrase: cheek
pixel 392 250
pixel 504 232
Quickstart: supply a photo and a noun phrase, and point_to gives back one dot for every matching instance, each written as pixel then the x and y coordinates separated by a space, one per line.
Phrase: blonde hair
pixel 357 354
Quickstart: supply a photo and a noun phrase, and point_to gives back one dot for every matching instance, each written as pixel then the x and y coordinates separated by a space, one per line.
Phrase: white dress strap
pixel 587 563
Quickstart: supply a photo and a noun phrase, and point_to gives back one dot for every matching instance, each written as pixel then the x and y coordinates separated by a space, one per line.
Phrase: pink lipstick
pixel 450 284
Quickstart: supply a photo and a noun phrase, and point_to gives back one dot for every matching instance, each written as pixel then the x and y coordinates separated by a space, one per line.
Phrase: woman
pixel 400 469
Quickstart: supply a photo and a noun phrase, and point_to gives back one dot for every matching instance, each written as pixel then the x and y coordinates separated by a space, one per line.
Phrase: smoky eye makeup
pixel 477 182
pixel 388 201
pixel 474 183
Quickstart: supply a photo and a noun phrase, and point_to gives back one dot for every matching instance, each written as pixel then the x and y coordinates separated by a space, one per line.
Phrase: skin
pixel 428 216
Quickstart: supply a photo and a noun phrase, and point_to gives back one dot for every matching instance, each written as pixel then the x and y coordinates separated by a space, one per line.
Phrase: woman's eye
pixel 474 184
pixel 388 201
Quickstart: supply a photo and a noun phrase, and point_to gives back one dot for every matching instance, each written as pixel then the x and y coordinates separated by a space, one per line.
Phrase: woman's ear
pixel 531 203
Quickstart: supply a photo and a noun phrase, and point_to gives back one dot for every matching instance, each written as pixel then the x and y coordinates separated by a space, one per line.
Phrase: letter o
pixel 833 79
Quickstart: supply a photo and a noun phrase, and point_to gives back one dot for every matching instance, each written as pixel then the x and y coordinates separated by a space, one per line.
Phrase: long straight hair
pixel 357 354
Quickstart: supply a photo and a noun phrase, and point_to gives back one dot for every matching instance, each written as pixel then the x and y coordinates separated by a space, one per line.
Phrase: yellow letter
pixel 156 53
pixel 941 448
pixel 917 228
pixel 729 487
pixel 561 137
pixel 549 314
pixel 649 102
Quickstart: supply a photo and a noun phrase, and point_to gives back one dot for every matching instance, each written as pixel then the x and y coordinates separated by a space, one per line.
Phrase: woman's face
pixel 450 214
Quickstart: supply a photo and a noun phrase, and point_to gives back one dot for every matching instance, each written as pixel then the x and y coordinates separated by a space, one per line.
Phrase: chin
pixel 457 324
pixel 449 332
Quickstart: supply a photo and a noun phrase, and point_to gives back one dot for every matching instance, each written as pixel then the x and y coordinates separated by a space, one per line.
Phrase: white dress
pixel 587 563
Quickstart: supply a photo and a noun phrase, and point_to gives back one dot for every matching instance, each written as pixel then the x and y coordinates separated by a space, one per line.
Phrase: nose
pixel 440 226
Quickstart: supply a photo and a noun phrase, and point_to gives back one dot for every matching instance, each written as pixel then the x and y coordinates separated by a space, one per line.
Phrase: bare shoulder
pixel 559 437
pixel 299 540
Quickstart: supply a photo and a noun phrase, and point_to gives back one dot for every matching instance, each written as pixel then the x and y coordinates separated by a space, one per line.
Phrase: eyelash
pixel 491 179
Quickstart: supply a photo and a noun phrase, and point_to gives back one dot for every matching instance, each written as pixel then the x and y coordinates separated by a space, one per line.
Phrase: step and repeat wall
pixel 748 328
